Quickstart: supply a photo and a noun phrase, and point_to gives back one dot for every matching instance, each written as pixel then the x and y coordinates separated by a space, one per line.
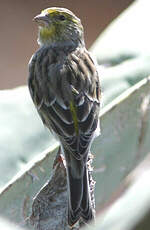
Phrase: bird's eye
pixel 61 17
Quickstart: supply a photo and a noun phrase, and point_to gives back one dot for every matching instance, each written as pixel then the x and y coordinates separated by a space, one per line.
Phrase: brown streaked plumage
pixel 64 85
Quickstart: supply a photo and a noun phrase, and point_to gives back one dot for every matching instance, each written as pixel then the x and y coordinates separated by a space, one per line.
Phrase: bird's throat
pixel 47 34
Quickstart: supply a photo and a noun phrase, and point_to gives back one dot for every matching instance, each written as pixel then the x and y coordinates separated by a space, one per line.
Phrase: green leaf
pixel 125 127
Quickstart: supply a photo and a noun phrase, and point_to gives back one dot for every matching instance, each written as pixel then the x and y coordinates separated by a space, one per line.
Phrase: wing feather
pixel 54 86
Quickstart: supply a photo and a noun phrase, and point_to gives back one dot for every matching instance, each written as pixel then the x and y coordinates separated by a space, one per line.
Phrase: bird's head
pixel 59 26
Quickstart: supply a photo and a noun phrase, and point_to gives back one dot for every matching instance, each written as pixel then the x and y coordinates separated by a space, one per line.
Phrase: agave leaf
pixel 122 145
pixel 127 37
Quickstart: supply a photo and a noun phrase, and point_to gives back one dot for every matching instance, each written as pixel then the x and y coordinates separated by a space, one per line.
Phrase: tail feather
pixel 76 192
pixel 73 217
pixel 86 208
pixel 79 203
pixel 75 186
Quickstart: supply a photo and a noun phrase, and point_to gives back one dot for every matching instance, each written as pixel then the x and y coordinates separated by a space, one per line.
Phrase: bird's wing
pixel 67 96
pixel 84 101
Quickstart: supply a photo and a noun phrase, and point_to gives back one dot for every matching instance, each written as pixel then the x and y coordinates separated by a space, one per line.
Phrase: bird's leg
pixel 59 158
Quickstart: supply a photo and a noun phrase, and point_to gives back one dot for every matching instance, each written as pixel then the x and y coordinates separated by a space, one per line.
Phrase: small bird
pixel 65 88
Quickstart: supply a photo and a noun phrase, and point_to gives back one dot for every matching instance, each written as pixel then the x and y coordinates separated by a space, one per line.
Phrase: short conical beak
pixel 42 20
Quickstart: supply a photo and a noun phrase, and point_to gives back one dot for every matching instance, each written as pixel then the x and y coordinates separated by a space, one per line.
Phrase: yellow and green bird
pixel 64 85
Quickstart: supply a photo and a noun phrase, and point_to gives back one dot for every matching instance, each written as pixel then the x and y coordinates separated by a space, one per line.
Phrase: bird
pixel 64 84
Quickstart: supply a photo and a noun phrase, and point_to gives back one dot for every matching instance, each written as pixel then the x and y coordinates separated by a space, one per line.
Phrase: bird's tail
pixel 79 204
pixel 86 208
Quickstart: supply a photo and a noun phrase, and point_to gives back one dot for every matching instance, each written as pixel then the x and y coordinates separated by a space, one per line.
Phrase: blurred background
pixel 19 33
